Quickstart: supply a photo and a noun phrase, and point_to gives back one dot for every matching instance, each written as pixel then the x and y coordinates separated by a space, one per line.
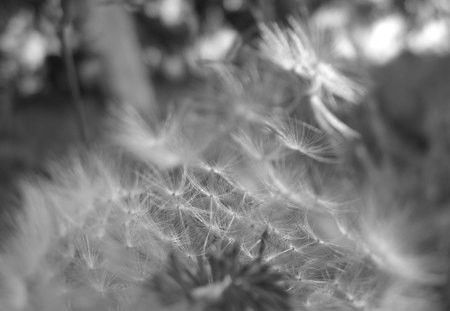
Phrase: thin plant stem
pixel 74 85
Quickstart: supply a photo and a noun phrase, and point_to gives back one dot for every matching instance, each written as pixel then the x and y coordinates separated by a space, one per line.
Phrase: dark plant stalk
pixel 74 85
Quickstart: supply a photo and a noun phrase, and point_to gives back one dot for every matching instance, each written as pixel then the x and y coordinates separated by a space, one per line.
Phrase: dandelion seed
pixel 272 257
pixel 213 187
pixel 89 254
pixel 291 49
pixel 292 185
pixel 337 84
pixel 329 121
pixel 221 160
pixel 231 222
pixel 303 138
pixel 258 148
pixel 101 280
pixel 389 257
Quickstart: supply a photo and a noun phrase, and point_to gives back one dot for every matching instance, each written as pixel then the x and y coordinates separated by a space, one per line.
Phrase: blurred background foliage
pixel 174 35
pixel 54 84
